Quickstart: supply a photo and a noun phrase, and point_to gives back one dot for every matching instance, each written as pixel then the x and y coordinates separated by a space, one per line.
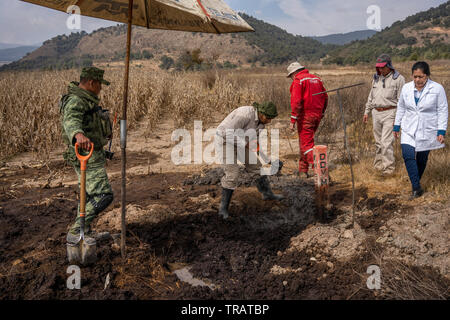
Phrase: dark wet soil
pixel 235 255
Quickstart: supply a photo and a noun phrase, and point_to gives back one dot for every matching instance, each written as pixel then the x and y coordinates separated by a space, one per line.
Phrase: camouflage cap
pixel 268 108
pixel 94 73
pixel 384 60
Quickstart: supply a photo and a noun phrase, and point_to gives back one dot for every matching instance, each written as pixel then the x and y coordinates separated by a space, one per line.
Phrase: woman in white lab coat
pixel 422 115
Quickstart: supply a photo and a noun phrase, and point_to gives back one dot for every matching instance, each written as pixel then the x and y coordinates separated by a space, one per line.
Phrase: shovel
pixel 84 251
pixel 109 155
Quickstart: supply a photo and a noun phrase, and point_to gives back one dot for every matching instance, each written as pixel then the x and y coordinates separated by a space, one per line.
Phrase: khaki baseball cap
pixel 295 66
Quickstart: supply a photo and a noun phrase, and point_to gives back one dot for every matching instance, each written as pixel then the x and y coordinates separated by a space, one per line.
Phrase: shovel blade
pixel 84 252
pixel 88 251
pixel 73 253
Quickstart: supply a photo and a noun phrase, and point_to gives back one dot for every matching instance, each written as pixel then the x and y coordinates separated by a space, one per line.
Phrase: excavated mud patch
pixel 266 250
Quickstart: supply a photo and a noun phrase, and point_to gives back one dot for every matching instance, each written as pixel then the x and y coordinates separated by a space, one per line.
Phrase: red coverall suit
pixel 307 111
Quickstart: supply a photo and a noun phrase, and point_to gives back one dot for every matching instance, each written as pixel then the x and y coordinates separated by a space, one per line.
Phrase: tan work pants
pixel 383 124
pixel 231 170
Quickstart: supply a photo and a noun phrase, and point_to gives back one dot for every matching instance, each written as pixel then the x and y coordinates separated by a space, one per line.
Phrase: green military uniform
pixel 80 113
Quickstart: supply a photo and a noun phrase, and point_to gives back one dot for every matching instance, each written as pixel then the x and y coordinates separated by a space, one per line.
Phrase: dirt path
pixel 267 250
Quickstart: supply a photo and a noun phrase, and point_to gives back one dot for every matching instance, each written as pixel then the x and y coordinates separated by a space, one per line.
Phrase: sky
pixel 28 24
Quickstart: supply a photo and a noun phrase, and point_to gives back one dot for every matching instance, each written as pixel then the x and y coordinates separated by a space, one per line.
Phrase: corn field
pixel 30 119
pixel 29 112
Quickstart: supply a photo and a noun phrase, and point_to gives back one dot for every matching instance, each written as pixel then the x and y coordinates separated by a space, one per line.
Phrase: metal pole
pixel 351 86
pixel 348 154
pixel 292 149
pixel 123 132
pixel 346 142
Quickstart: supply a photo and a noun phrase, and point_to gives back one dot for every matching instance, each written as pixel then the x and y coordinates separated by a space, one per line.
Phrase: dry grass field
pixel 29 115
pixel 172 210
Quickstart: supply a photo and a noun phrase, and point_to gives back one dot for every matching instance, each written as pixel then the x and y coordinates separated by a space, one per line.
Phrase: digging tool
pixel 292 149
pixel 211 16
pixel 108 154
pixel 84 251
pixel 264 159
pixel 322 181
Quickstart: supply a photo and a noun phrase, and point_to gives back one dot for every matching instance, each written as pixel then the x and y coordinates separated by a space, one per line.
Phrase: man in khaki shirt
pixel 387 85
pixel 235 135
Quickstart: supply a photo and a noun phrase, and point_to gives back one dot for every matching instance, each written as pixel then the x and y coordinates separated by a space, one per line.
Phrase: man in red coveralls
pixel 307 111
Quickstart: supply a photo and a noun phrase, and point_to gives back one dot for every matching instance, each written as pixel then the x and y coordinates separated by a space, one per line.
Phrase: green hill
pixel 344 38
pixel 424 35
pixel 9 45
pixel 13 54
pixel 267 45
pixel 279 46
pixel 56 52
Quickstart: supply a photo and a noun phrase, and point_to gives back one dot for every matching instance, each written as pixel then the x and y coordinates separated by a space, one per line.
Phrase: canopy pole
pixel 123 132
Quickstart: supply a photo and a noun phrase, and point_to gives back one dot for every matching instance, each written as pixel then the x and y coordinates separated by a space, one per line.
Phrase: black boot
pixel 263 186
pixel 416 194
pixel 225 202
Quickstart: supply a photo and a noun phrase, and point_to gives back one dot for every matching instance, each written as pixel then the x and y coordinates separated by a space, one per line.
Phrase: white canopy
pixel 213 16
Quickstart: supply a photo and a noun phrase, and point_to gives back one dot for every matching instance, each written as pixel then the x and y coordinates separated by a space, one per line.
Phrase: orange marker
pixel 322 179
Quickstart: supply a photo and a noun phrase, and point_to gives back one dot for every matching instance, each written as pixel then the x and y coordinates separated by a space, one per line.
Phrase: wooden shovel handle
pixel 83 159
pixel 83 165
pixel 83 193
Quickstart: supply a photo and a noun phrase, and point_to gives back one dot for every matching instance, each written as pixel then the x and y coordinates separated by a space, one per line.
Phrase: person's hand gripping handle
pixel 83 165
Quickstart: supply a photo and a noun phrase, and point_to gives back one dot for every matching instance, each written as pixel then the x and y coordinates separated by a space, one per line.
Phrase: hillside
pixel 345 38
pixel 267 45
pixel 8 45
pixel 425 35
pixel 279 46
pixel 13 54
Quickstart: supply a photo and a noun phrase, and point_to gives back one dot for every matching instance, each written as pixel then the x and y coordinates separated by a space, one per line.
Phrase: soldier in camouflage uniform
pixel 83 122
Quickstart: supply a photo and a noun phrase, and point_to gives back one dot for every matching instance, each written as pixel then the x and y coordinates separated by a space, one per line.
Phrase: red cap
pixel 381 64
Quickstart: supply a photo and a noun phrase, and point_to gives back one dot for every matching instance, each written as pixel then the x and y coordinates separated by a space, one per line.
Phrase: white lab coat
pixel 420 123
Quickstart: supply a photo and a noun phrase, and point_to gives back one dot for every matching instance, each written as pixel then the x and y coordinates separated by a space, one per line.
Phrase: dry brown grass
pixel 29 115
pixel 436 178
pixel 29 112
pixel 400 281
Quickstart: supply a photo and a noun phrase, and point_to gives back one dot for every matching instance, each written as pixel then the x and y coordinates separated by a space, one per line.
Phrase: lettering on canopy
pixel 58 3
pixel 160 18
pixel 223 15
pixel 113 7
pixel 164 21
